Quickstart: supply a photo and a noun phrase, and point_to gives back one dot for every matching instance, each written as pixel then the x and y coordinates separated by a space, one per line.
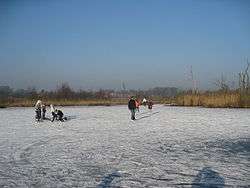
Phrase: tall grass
pixel 217 99
pixel 23 102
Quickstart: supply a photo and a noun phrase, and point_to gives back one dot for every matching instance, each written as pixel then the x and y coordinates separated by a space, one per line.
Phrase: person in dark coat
pixel 59 114
pixel 132 107
pixel 43 111
pixel 150 105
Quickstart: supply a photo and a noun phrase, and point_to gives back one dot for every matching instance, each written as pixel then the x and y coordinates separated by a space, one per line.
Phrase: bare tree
pixel 64 91
pixel 222 83
pixel 244 83
pixel 191 78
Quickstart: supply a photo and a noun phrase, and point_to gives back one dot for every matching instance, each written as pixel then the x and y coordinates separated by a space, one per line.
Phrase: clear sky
pixel 95 44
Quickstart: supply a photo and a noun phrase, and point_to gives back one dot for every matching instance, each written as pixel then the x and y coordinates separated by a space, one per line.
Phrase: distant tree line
pixel 66 92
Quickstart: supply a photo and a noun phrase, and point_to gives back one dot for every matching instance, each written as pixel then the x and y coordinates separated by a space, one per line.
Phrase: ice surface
pixel 102 147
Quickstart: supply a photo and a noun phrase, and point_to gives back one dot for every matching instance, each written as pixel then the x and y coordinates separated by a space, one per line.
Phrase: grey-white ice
pixel 102 147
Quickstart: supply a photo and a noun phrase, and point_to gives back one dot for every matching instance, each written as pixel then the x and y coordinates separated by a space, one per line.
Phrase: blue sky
pixel 145 43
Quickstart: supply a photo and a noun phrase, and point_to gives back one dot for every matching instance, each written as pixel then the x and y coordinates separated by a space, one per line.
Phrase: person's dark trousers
pixel 132 114
pixel 38 114
pixel 43 114
pixel 53 116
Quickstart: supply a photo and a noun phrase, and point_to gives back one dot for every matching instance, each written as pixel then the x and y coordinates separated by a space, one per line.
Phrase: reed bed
pixel 63 102
pixel 215 100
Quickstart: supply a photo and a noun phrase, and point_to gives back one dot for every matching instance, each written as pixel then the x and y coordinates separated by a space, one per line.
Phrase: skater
pixel 132 107
pixel 150 104
pixel 43 111
pixel 144 102
pixel 59 114
pixel 56 114
pixel 38 107
pixel 53 112
pixel 137 103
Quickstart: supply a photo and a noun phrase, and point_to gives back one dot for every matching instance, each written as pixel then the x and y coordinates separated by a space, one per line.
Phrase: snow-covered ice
pixel 102 147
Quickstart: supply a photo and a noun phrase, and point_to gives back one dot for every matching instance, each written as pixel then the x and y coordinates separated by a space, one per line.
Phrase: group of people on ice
pixel 40 109
pixel 134 104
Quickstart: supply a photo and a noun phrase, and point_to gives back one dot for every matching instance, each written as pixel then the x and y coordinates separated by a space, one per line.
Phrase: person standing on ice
pixel 132 107
pixel 150 104
pixel 137 103
pixel 144 101
pixel 53 112
pixel 43 111
pixel 38 108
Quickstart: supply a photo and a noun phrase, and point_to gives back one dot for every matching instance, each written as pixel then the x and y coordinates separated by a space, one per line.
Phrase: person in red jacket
pixel 137 103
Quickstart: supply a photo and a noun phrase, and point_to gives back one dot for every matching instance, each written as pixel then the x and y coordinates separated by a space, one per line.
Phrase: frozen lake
pixel 102 147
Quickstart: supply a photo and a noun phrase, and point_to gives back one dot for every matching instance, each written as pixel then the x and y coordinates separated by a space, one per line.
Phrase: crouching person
pixel 56 114
pixel 59 114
